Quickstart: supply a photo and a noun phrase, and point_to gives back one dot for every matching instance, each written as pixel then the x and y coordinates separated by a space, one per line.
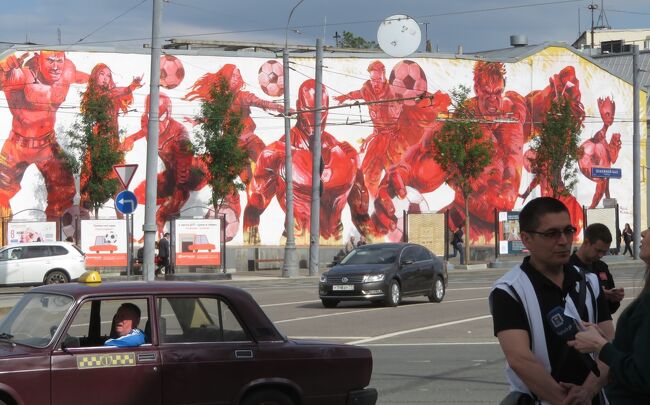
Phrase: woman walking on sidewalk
pixel 628 235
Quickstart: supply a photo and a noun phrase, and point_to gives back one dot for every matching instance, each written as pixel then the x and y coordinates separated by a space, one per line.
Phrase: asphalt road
pixel 423 352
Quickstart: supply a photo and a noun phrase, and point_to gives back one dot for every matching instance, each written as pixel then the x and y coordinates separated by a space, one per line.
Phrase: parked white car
pixel 41 263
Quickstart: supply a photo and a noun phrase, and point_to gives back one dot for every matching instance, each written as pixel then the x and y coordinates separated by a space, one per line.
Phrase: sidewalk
pixel 495 268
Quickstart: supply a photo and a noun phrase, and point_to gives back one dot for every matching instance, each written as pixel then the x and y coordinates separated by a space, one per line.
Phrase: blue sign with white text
pixel 606 172
pixel 126 202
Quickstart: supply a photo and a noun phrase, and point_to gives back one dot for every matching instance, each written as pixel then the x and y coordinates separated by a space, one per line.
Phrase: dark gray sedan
pixel 385 273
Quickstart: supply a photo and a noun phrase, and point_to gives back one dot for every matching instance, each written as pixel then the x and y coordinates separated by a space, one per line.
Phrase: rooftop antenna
pixel 592 7
pixel 602 22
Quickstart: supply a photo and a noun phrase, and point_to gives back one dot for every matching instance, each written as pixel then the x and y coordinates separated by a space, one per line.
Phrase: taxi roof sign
pixel 125 173
pixel 90 277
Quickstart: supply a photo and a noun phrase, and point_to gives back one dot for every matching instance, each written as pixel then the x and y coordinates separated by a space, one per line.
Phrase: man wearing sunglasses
pixel 523 302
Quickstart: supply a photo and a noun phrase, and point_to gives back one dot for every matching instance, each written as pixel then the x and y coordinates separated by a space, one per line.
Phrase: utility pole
pixel 336 38
pixel 149 226
pixel 593 7
pixel 636 151
pixel 290 266
pixel 314 229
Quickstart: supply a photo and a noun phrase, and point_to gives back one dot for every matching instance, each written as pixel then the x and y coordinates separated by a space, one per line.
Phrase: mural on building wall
pixel 377 158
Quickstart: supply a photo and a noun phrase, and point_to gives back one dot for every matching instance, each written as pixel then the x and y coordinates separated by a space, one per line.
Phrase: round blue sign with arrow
pixel 126 202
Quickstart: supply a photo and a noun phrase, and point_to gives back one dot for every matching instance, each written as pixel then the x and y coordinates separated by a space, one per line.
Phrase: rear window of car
pixel 422 254
pixel 58 250
pixel 198 319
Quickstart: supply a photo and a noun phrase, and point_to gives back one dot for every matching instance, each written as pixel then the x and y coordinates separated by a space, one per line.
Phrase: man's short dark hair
pixel 596 232
pixel 166 234
pixel 131 307
pixel 536 208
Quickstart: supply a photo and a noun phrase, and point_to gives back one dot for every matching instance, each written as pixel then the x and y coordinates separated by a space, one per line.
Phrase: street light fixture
pixel 290 267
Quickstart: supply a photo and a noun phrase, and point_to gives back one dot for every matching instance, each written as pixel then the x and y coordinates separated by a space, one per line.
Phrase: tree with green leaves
pixel 217 142
pixel 555 151
pixel 94 144
pixel 462 151
pixel 349 40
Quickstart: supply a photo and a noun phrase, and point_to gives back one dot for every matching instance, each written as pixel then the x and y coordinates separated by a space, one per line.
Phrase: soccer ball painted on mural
pixel 377 154
pixel 271 78
pixel 172 71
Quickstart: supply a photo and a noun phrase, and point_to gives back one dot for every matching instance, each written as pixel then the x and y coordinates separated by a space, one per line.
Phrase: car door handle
pixel 243 354
pixel 147 356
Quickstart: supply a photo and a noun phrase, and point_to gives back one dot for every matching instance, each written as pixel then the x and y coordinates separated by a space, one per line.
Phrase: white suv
pixel 41 263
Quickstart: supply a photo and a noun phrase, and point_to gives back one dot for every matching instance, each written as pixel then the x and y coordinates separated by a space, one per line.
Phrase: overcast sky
pixel 474 24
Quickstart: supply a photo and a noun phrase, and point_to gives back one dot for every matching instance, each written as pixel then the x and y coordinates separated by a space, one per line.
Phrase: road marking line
pixel 430 344
pixel 289 303
pixel 329 337
pixel 404 332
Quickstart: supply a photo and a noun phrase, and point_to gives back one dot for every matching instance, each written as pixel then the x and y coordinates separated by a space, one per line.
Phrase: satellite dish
pixel 399 35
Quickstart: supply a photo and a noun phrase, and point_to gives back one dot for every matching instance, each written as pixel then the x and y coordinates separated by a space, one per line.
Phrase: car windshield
pixel 35 319
pixel 371 256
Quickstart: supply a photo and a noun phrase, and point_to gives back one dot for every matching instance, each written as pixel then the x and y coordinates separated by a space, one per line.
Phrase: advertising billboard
pixel 23 232
pixel 104 242
pixel 197 242
pixel 509 237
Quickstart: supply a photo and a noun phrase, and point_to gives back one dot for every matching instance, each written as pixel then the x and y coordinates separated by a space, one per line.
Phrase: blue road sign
pixel 606 172
pixel 126 202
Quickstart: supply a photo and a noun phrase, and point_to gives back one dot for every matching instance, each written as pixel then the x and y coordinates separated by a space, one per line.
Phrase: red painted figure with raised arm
pixel 34 90
pixel 507 122
pixel 342 179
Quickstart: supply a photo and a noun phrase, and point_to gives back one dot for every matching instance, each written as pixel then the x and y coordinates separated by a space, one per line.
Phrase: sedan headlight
pixel 323 278
pixel 373 278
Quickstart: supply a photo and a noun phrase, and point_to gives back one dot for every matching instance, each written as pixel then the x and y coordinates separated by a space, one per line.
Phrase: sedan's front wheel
pixel 267 397
pixel 393 294
pixel 438 290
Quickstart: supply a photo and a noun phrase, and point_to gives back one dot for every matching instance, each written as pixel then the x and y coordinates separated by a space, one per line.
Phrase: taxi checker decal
pixel 105 360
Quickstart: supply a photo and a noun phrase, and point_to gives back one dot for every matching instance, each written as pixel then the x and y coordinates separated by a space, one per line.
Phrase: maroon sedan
pixel 204 344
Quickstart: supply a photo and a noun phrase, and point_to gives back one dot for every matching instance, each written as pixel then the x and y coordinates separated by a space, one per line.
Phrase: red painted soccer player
pixel 183 172
pixel 381 148
pixel 34 92
pixel 597 152
pixel 342 180
pixel 101 82
pixel 508 116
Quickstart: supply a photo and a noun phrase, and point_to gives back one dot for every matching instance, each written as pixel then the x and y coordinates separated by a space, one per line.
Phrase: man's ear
pixel 526 238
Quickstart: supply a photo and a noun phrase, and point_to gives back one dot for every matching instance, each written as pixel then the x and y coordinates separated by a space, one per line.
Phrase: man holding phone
pixel 535 305
pixel 597 239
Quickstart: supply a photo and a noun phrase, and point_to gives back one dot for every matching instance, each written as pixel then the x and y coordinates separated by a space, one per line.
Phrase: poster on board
pixel 104 242
pixel 509 238
pixel 197 242
pixel 24 232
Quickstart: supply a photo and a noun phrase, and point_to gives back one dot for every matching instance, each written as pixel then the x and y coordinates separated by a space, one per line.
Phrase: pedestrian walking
pixel 533 304
pixel 457 245
pixel 628 236
pixel 163 255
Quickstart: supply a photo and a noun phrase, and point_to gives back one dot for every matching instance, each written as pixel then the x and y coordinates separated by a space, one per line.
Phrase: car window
pixel 58 250
pixel 198 319
pixel 11 253
pixel 409 253
pixel 372 255
pixel 35 319
pixel 422 254
pixel 93 322
pixel 36 251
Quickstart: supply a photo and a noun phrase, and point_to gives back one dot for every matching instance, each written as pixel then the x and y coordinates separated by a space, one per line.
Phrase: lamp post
pixel 290 267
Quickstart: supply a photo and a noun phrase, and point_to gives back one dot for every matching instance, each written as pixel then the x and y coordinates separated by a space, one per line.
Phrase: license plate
pixel 343 288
